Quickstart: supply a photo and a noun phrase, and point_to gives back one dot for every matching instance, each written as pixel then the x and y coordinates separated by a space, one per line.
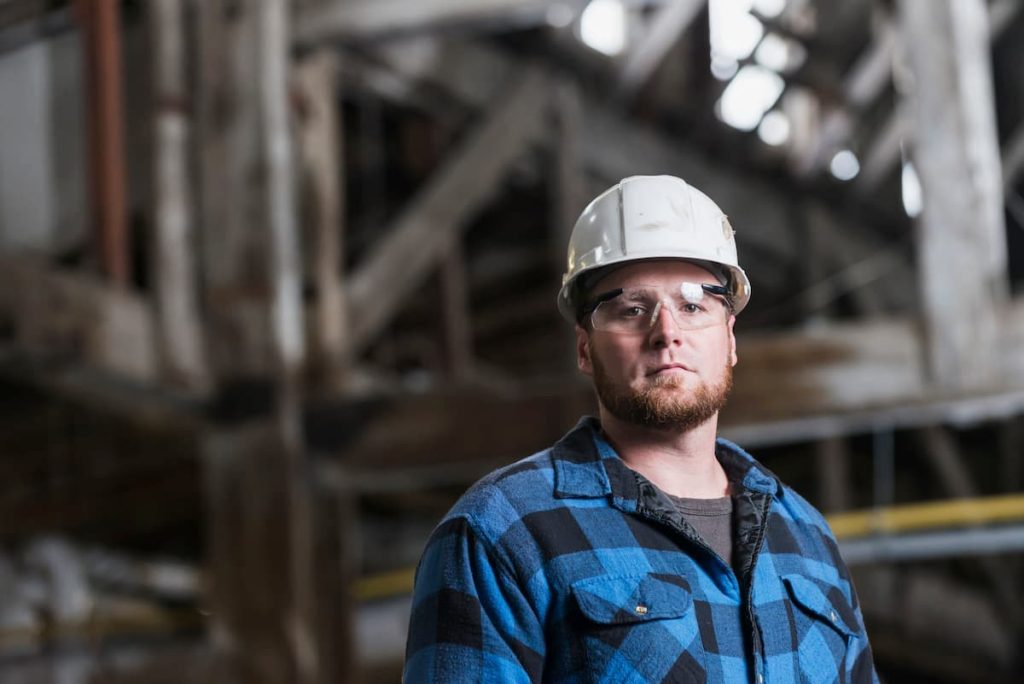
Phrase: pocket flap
pixel 620 600
pixel 822 600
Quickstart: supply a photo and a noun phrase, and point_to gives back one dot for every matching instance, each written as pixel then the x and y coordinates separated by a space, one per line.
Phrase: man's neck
pixel 682 464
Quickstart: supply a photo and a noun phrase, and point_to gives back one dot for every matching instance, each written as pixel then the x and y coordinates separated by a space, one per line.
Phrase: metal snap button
pixel 641 609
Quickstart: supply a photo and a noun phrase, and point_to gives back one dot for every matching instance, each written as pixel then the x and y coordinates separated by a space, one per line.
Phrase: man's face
pixel 666 377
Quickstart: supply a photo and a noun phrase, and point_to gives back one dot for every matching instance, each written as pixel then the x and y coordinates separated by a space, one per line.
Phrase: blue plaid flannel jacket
pixel 569 566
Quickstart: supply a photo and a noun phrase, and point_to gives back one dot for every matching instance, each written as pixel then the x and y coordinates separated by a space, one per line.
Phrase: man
pixel 640 548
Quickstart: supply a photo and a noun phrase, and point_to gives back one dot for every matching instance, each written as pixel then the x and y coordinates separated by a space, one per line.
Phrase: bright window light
pixel 769 8
pixel 734 32
pixel 559 15
pixel 845 165
pixel 749 95
pixel 773 52
pixel 774 128
pixel 912 197
pixel 724 68
pixel 603 26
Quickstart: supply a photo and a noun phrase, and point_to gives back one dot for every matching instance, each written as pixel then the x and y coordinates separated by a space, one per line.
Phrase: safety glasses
pixel 692 305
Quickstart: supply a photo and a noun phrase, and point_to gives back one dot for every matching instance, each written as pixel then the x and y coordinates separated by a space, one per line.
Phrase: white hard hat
pixel 651 217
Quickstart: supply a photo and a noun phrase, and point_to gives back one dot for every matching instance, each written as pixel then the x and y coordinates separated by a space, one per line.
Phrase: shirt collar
pixel 586 466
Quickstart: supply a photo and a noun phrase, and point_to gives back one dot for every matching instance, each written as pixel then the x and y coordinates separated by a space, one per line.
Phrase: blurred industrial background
pixel 277 282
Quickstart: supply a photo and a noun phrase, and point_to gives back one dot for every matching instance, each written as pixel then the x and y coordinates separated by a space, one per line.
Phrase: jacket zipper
pixel 758 543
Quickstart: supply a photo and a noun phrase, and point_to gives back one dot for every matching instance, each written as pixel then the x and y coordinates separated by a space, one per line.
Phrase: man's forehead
pixel 654 272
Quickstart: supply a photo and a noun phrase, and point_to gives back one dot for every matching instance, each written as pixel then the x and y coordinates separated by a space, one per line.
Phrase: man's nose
pixel 665 331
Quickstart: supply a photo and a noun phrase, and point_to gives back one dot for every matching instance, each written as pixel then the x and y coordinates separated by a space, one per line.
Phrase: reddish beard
pixel 664 403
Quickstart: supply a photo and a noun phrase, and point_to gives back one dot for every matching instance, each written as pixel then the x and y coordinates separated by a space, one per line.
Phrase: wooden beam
pixel 77 319
pixel 180 336
pixel 863 83
pixel 301 617
pixel 612 147
pixel 440 210
pixel 363 19
pixel 666 29
pixel 231 210
pixel 884 150
pixel 840 379
pixel 247 552
pixel 263 519
pixel 337 564
pixel 320 139
pixel 285 270
pixel 956 155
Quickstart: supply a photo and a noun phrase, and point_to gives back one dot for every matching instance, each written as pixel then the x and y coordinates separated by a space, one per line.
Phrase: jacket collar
pixel 586 466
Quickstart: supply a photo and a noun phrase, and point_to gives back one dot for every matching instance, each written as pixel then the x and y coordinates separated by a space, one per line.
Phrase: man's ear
pixel 583 361
pixel 732 341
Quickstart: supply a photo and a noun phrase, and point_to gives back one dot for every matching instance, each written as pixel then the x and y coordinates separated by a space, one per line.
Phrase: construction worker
pixel 640 547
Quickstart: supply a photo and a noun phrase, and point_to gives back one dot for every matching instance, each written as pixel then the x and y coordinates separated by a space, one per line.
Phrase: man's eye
pixel 691 308
pixel 633 311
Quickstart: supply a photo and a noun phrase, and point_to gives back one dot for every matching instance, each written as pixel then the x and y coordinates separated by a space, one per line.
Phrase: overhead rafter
pixel 421 233
pixel 647 54
pixel 884 150
pixel 864 82
pixel 613 147
pixel 363 19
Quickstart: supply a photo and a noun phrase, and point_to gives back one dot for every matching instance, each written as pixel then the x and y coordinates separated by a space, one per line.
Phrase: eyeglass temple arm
pixel 599 300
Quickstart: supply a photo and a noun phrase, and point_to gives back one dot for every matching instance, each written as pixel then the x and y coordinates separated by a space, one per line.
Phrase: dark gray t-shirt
pixel 712 518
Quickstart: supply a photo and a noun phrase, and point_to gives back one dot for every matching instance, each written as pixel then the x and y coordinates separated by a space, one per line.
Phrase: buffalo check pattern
pixel 570 567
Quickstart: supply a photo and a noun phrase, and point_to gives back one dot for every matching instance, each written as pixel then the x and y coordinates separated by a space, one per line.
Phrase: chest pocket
pixel 638 628
pixel 823 625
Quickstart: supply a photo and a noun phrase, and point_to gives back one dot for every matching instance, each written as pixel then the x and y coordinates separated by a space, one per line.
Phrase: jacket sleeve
pixel 860 662
pixel 471 622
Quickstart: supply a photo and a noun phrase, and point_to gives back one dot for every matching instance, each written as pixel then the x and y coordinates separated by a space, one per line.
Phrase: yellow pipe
pixel 385 585
pixel 938 514
pixel 891 520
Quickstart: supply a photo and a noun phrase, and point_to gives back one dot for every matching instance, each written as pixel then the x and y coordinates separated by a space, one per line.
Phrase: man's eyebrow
pixel 605 296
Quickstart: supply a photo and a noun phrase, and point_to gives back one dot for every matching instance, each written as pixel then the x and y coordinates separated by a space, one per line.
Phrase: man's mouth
pixel 669 368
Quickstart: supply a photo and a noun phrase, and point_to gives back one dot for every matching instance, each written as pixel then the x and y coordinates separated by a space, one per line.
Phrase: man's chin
pixel 666 384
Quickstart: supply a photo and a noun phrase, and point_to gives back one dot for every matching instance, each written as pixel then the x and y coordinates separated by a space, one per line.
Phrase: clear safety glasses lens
pixel 635 309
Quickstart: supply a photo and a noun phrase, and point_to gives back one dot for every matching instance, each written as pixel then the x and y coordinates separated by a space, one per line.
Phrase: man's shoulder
pixel 802 511
pixel 501 498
